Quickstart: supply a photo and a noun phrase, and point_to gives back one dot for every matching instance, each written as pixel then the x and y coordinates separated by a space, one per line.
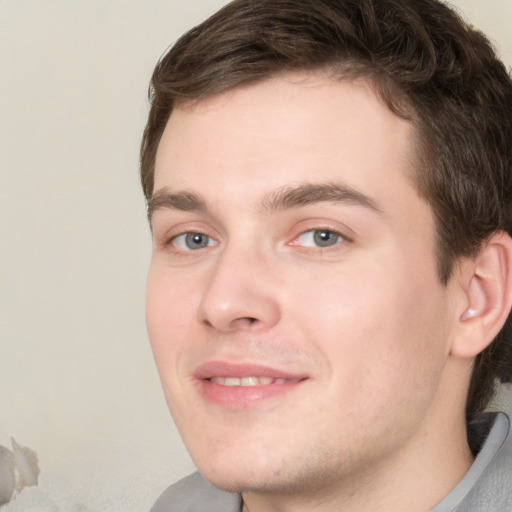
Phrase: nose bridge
pixel 240 292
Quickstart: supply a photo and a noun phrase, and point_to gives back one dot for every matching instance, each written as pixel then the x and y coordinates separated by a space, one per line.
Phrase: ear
pixel 487 297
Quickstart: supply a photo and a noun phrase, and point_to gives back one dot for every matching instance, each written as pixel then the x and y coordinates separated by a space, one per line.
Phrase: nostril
pixel 244 322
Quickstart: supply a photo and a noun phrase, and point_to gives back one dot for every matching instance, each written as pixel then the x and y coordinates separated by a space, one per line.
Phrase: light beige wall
pixel 77 381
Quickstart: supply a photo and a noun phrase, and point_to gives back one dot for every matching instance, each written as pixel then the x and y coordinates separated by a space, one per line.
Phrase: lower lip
pixel 244 397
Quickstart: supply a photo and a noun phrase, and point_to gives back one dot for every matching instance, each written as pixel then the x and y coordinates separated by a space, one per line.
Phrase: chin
pixel 232 480
pixel 259 471
pixel 238 474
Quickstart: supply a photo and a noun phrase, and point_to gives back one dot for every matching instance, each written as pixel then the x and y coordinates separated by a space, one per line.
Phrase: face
pixel 293 306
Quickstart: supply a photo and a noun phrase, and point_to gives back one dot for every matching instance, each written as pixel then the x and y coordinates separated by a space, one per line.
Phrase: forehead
pixel 291 128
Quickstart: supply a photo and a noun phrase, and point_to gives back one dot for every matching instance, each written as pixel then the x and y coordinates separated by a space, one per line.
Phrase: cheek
pixel 168 313
pixel 340 309
pixel 376 329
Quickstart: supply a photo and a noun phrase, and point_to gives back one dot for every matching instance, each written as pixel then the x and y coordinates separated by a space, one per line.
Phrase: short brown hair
pixel 425 62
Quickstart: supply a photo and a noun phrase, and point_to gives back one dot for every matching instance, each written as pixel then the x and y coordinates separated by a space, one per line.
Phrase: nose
pixel 240 294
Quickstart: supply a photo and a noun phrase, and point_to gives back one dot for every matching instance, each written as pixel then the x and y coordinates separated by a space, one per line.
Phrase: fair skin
pixel 309 355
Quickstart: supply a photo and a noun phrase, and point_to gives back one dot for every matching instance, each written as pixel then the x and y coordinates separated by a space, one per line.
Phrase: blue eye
pixel 192 241
pixel 320 238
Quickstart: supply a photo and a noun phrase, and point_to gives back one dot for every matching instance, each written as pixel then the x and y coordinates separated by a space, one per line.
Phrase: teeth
pixel 231 381
pixel 249 381
pixel 246 381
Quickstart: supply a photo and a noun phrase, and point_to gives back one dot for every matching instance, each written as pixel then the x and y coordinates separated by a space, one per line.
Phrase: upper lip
pixel 227 369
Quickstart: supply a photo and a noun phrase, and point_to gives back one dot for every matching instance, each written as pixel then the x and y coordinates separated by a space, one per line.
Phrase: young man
pixel 329 190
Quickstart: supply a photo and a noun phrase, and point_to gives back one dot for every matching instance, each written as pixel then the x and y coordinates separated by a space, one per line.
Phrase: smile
pixel 247 381
pixel 244 386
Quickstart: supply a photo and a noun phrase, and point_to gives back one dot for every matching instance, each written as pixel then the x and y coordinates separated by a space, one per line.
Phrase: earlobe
pixel 469 313
pixel 488 297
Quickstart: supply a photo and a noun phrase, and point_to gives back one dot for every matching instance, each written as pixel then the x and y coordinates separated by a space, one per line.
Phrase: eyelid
pixel 165 233
pixel 301 241
pixel 304 227
pixel 166 223
pixel 172 240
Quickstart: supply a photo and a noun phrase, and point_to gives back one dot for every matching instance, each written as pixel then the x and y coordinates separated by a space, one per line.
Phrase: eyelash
pixel 172 241
pixel 311 235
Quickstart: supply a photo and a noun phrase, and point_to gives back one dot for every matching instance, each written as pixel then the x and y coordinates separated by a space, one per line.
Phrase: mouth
pixel 242 386
pixel 247 381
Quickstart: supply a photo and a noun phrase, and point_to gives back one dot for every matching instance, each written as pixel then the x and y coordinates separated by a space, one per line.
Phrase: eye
pixel 319 238
pixel 192 241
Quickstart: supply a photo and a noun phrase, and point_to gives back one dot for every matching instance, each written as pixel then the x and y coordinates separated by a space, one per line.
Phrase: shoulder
pixel 493 492
pixel 487 487
pixel 195 494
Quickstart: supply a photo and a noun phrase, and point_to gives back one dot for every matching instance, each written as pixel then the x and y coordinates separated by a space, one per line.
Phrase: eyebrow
pixel 311 193
pixel 282 199
pixel 184 201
